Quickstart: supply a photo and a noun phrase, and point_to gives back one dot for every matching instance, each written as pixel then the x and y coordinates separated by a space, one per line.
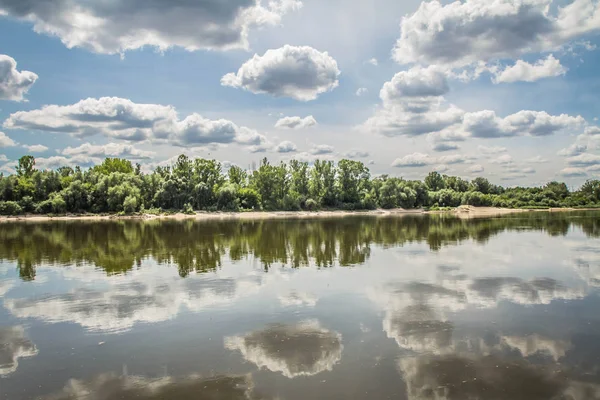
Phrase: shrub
pixel 10 208
pixel 27 204
pixel 227 198
pixel 311 205
pixel 130 204
pixel 249 199
pixel 188 209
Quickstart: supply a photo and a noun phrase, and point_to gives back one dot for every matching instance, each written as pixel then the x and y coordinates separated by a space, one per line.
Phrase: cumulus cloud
pixel 486 124
pixel 504 159
pixel 416 82
pixel 14 345
pixel 444 146
pixel 55 162
pixel 108 150
pixel 286 147
pixel 302 349
pixel 6 141
pixel 421 160
pixel 571 172
pixel 301 73
pixel 119 118
pixel 113 386
pixel 583 160
pixel 357 154
pixel 296 122
pixel 321 149
pixel 413 103
pixel 491 149
pixel 13 84
pixel 573 150
pixel 525 72
pixel 373 61
pixel 361 91
pixel 462 33
pixel 475 169
pixel 116 27
pixel 414 160
pixel 536 160
pixel 36 148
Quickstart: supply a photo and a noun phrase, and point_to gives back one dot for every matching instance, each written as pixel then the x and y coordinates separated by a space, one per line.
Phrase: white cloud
pixel 362 91
pixel 571 172
pixel 485 124
pixel 357 154
pixel 421 160
pixel 108 150
pixel 119 118
pixel 525 72
pixel 15 345
pixel 536 160
pixel 445 146
pixel 321 149
pixel 416 82
pixel 116 27
pixel 301 73
pixel 7 168
pixel 454 159
pixel 286 147
pixel 573 150
pixel 36 148
pixel 6 141
pixel 296 122
pixel 441 168
pixel 13 84
pixel 504 159
pixel 414 160
pixel 284 348
pixel 461 33
pixel 491 149
pixel 584 160
pixel 475 169
pixel 3 158
pixel 373 61
pixel 55 162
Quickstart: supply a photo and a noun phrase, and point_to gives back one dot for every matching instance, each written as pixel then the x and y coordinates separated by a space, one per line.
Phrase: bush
pixel 27 204
pixel 10 208
pixel 249 199
pixel 188 209
pixel 311 205
pixel 291 202
pixel 130 204
pixel 227 198
pixel 59 205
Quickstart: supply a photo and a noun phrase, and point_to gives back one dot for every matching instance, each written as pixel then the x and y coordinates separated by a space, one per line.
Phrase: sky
pixel 506 89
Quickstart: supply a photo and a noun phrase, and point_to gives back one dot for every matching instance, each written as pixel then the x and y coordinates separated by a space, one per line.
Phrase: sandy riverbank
pixel 461 212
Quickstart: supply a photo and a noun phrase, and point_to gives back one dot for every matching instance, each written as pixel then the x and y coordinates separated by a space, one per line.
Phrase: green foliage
pixel 197 184
pixel 10 208
pixel 188 209
pixel 227 198
pixel 130 204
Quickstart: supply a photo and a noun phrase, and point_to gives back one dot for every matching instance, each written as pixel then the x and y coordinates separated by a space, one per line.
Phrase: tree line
pixel 118 186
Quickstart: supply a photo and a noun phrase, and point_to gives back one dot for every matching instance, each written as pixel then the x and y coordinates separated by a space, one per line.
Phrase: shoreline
pixel 465 212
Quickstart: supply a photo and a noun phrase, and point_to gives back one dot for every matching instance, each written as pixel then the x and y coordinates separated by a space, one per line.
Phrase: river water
pixel 412 307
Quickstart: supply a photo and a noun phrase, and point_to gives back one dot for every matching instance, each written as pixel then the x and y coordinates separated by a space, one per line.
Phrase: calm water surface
pixel 411 307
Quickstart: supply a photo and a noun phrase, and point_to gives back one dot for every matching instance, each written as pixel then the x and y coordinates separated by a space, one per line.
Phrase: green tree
pixel 434 181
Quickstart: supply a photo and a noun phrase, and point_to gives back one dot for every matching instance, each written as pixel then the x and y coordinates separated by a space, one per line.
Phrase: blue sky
pixel 508 89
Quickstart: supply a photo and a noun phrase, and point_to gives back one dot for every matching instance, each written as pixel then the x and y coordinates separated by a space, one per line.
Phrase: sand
pixel 461 212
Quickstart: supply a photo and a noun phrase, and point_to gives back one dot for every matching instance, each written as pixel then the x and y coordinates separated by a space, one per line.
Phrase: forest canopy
pixel 118 186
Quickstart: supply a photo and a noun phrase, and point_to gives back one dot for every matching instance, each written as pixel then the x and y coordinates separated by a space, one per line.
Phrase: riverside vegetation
pixel 118 186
